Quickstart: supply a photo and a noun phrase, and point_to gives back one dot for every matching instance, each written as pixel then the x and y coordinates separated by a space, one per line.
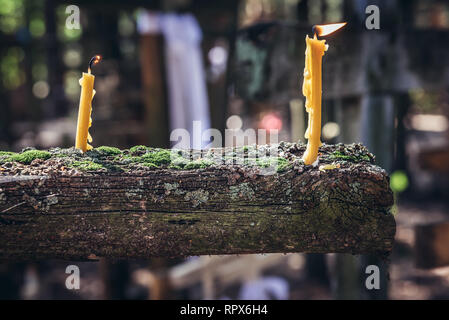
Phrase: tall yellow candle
pixel 85 108
pixel 312 89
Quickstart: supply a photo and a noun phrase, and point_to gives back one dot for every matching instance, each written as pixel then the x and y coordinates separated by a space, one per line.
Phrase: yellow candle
pixel 85 108
pixel 311 89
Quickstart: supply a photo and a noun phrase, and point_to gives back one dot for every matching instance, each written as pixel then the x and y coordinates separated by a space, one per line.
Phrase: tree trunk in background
pixel 11 280
pixel 57 105
pixel 116 277
pixel 303 11
pixel 347 266
pixel 348 277
pixel 153 91
pixel 316 268
pixel 377 115
pixel 377 133
pixel 402 105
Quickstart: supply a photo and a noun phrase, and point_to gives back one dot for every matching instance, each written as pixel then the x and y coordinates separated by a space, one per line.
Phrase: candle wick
pixel 94 60
pixel 314 31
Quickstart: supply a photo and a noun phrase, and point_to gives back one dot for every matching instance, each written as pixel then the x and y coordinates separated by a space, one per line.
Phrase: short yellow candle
pixel 85 108
pixel 311 89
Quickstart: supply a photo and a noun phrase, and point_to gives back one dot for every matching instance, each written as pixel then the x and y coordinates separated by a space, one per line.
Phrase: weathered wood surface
pixel 126 209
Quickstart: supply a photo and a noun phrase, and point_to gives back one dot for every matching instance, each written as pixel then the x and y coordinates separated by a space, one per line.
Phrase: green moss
pixel 281 164
pixel 179 163
pixel 365 158
pixel 108 150
pixel 86 165
pixel 198 164
pixel 138 149
pixel 60 155
pixel 6 153
pixel 342 156
pixel 263 163
pixel 5 156
pixel 28 156
pixel 157 158
pixel 150 165
pixel 127 157
pixel 66 153
pixel 150 159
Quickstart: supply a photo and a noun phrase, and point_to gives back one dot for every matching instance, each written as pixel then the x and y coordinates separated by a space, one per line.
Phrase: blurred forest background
pixel 240 65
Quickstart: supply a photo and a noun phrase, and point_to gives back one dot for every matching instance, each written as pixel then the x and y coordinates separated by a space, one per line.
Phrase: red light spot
pixel 271 122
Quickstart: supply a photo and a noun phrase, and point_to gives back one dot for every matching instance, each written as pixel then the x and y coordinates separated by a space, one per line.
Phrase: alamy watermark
pixel 72 282
pixel 372 21
pixel 373 280
pixel 259 149
pixel 73 19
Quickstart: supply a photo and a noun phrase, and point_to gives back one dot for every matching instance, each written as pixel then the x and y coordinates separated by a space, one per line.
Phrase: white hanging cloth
pixel 186 81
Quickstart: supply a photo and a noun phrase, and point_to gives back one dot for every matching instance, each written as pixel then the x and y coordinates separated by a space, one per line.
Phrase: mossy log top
pixel 146 202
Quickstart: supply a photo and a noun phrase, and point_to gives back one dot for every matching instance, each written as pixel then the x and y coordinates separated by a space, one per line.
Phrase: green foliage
pixel 37 27
pixel 11 69
pixel 12 15
pixel 28 156
pixel 399 181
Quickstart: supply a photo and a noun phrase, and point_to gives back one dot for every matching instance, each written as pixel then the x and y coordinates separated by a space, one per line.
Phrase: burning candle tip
pixel 326 29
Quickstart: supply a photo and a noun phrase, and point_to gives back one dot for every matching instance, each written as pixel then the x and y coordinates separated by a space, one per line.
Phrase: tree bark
pixel 126 211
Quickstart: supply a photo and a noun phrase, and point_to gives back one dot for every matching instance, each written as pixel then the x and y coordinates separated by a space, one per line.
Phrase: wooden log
pixel 147 202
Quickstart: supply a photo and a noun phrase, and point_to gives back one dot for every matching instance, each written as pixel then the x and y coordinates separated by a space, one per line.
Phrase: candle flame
pixel 326 29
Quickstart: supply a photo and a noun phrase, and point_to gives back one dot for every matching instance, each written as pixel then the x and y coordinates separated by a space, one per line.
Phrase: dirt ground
pixel 408 281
